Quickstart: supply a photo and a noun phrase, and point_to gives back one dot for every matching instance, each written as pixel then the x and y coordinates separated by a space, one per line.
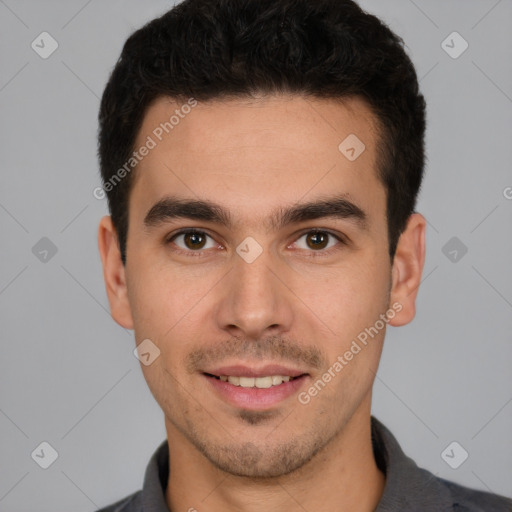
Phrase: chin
pixel 253 461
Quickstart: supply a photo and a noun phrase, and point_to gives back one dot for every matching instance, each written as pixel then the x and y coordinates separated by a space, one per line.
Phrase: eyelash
pixel 200 253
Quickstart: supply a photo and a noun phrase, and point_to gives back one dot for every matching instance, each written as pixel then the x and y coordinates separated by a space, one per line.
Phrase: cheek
pixel 347 298
pixel 161 298
pixel 165 306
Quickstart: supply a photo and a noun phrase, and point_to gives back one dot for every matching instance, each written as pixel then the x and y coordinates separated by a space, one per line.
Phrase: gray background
pixel 67 372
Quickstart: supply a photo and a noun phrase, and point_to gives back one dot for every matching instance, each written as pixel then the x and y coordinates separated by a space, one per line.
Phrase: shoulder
pixel 131 503
pixel 412 488
pixel 465 499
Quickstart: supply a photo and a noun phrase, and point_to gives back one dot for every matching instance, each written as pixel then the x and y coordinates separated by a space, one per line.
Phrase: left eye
pixel 317 240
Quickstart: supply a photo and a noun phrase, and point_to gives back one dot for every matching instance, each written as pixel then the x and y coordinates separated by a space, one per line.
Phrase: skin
pixel 252 156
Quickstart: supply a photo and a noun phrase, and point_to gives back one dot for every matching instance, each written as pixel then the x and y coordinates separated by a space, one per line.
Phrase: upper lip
pixel 246 371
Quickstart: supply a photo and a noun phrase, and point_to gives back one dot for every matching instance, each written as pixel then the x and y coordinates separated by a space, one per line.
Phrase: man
pixel 262 160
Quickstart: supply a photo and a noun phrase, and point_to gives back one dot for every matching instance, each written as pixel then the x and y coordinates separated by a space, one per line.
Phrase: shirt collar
pixel 407 487
pixel 155 481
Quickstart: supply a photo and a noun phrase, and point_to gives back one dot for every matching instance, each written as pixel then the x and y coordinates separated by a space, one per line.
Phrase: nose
pixel 255 301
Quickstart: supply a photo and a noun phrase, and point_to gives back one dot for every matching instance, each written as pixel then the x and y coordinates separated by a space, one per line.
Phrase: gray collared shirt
pixel 408 488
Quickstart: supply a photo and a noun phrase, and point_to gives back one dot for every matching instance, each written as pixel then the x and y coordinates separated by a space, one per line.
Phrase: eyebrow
pixel 170 208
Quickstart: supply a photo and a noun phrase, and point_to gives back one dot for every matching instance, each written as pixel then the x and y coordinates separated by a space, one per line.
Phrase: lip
pixel 255 399
pixel 245 371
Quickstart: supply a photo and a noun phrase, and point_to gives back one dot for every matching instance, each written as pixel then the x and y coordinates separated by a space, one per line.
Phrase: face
pixel 257 258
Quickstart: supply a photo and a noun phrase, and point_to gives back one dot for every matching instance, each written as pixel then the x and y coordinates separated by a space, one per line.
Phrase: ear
pixel 407 269
pixel 114 273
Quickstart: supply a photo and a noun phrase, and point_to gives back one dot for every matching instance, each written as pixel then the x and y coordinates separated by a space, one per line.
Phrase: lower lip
pixel 255 398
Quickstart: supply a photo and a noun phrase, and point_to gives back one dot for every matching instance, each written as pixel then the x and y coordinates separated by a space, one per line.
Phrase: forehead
pixel 254 154
pixel 214 124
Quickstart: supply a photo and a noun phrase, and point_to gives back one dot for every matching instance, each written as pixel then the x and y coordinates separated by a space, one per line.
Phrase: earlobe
pixel 114 273
pixel 407 269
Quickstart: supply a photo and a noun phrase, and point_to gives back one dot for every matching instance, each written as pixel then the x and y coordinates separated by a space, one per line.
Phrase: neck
pixel 342 476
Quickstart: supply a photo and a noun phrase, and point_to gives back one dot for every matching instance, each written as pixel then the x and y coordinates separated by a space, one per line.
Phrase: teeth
pixel 234 380
pixel 258 382
pixel 263 382
pixel 247 382
pixel 277 379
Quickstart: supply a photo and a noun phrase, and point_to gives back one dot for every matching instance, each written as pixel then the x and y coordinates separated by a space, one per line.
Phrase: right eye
pixel 191 241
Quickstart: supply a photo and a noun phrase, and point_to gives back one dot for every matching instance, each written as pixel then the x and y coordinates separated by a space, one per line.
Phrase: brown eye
pixel 320 243
pixel 317 240
pixel 194 240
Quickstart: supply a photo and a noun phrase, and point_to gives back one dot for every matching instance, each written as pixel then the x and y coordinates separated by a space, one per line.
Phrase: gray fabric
pixel 408 488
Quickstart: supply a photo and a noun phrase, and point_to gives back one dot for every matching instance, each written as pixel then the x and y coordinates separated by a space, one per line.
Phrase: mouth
pixel 253 389
pixel 265 382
